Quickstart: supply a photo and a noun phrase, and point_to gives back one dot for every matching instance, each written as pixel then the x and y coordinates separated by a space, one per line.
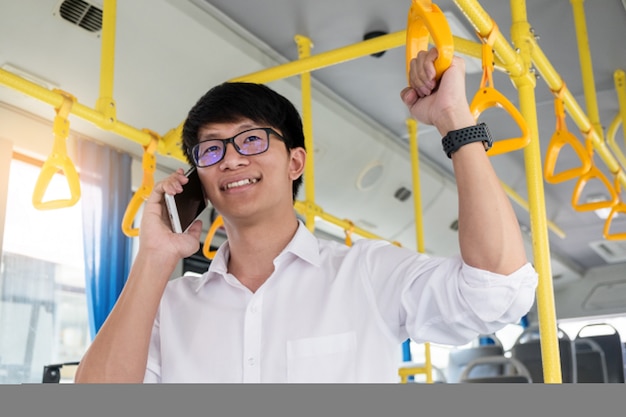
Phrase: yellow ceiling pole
pixel 303 207
pixel 304 51
pixel 517 63
pixel 419 222
pixel 325 59
pixel 520 35
pixel 586 67
pixel 171 140
pixel 80 110
pixel 620 88
pixel 105 103
pixel 483 23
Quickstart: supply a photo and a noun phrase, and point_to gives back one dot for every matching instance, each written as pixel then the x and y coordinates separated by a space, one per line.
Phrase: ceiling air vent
pixel 612 251
pixel 82 13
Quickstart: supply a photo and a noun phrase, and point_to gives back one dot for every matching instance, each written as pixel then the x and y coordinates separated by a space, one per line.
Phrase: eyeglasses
pixel 249 142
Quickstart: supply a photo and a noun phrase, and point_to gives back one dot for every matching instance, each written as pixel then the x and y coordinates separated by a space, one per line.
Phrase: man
pixel 280 305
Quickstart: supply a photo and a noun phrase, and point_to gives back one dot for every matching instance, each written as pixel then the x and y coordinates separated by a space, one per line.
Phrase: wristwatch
pixel 457 138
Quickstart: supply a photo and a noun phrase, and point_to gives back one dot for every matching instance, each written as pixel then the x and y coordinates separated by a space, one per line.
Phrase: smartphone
pixel 185 207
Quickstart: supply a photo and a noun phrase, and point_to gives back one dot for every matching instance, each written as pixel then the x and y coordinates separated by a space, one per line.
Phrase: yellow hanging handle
pixel 619 207
pixel 426 19
pixel 148 163
pixel 58 161
pixel 206 248
pixel 560 138
pixel 593 173
pixel 349 232
pixel 487 96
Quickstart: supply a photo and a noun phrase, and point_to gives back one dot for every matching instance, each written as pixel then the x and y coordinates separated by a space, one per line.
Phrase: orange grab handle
pixel 593 173
pixel 426 19
pixel 620 207
pixel 148 163
pixel 560 138
pixel 487 96
pixel 58 160
pixel 349 232
pixel 206 248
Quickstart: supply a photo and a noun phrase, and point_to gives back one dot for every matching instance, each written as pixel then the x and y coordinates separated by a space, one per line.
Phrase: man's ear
pixel 297 162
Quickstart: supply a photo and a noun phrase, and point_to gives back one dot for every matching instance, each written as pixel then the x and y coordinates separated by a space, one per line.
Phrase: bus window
pixel 43 313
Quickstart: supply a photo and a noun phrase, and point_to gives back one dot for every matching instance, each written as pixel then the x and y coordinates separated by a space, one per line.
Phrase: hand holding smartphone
pixel 185 207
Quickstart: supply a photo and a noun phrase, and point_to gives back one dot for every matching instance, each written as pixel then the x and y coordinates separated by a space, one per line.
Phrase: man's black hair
pixel 230 102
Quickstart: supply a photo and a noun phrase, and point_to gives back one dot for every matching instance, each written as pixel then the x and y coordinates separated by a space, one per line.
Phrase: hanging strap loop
pixel 349 232
pixel 592 173
pixel 560 139
pixel 58 160
pixel 148 163
pixel 618 208
pixel 487 96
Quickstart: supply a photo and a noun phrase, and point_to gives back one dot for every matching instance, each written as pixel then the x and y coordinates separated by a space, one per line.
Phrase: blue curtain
pixel 105 177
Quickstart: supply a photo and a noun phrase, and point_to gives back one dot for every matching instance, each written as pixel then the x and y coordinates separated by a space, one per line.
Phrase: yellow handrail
pixel 425 18
pixel 58 160
pixel 148 163
pixel 419 221
pixel 517 62
pixel 304 51
pixel 105 103
pixel 620 87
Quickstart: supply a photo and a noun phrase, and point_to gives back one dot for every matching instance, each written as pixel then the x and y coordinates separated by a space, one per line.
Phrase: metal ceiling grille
pixel 83 14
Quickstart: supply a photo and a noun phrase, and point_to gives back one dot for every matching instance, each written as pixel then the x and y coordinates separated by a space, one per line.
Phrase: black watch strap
pixel 457 138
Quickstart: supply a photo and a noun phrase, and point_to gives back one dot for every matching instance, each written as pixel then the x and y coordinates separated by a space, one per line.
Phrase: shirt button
pixel 251 361
pixel 254 309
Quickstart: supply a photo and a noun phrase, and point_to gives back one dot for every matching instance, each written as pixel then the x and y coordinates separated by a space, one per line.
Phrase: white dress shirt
pixel 328 313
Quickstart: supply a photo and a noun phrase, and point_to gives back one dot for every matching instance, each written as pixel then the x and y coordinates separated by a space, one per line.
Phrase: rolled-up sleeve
pixel 444 300
pixel 454 307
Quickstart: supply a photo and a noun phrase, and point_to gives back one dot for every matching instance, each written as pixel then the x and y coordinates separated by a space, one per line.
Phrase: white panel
pixel 439 238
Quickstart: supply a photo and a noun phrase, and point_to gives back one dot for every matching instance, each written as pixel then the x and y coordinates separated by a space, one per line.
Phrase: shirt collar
pixel 304 245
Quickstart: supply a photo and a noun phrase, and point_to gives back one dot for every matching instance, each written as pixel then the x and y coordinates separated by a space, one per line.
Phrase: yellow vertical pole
pixel 419 222
pixel 520 35
pixel 586 67
pixel 105 103
pixel 304 51
pixel 620 86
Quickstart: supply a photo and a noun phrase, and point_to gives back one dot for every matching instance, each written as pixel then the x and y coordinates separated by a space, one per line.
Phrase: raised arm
pixel 489 234
pixel 119 352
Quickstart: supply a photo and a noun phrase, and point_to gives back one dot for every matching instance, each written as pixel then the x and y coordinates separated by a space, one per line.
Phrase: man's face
pixel 245 187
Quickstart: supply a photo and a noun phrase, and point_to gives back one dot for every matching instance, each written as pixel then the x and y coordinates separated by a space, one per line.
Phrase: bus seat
pixel 514 371
pixel 590 362
pixel 527 349
pixel 459 359
pixel 611 344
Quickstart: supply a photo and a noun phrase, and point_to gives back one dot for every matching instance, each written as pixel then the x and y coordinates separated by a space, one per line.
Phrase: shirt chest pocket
pixel 324 359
